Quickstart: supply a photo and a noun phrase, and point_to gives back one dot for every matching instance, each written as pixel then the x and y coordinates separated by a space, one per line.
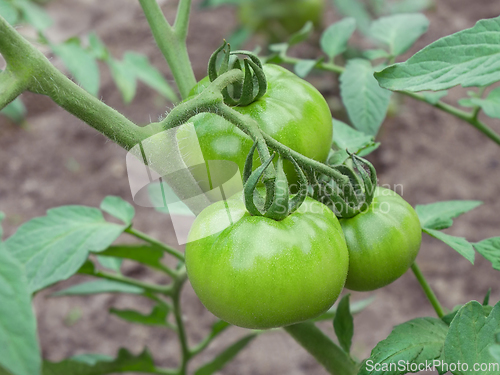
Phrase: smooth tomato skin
pixel 280 18
pixel 292 111
pixel 260 273
pixel 383 242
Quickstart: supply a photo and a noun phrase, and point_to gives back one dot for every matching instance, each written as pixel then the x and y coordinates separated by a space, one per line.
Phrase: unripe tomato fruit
pixel 278 19
pixel 292 111
pixel 260 273
pixel 383 241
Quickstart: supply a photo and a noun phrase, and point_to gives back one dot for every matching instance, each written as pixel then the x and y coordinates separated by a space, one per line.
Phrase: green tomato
pixel 383 241
pixel 259 273
pixel 278 19
pixel 292 111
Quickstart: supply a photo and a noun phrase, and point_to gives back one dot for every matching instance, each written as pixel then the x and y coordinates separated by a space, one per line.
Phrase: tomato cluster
pixel 259 273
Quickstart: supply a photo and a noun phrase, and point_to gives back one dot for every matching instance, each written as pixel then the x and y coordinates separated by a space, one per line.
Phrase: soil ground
pixel 57 160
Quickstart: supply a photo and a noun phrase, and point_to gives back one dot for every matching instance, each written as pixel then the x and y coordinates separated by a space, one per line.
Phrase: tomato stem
pixel 172 41
pixel 431 296
pixel 154 242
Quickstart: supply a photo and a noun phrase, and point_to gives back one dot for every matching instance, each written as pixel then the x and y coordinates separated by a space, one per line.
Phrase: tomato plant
pixel 383 241
pixel 260 273
pixel 277 255
pixel 292 111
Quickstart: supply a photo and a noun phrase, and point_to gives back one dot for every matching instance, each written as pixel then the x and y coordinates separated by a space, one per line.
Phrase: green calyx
pixel 277 204
pixel 254 84
pixel 346 199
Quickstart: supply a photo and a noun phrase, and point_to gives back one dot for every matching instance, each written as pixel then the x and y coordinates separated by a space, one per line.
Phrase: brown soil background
pixel 58 160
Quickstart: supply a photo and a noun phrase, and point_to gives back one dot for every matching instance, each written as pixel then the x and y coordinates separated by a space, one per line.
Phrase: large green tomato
pixel 383 241
pixel 292 111
pixel 259 273
pixel 280 18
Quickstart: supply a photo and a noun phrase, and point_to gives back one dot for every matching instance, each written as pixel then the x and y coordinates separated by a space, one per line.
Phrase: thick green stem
pixel 154 242
pixel 181 329
pixel 30 66
pixel 324 350
pixel 172 42
pixel 153 288
pixel 10 87
pixel 428 291
pixel 211 100
pixel 181 23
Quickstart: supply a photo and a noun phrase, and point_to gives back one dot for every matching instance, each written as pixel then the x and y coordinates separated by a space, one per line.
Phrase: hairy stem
pixel 427 290
pixel 38 75
pixel 152 241
pixel 181 23
pixel 470 117
pixel 181 329
pixel 10 87
pixel 172 41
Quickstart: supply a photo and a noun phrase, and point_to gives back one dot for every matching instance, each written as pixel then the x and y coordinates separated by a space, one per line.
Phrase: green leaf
pixel 119 208
pixel 416 341
pixel 434 97
pixel 366 102
pixel 239 37
pixel 15 111
pixel 91 359
pixel 302 34
pixel 225 357
pixel 97 47
pixel 440 215
pixel 486 300
pixel 466 102
pixel 145 254
pixel 469 58
pixel 334 39
pixel 81 64
pixel 490 249
pixel 374 54
pixel 470 338
pixel 111 263
pixel 34 15
pixel 148 74
pixel 101 365
pixel 162 195
pixel 53 247
pixel 410 6
pixel 400 31
pixel 355 308
pixel 495 352
pixel 9 12
pixel 459 244
pixel 98 286
pixel 490 105
pixel 322 348
pixel 357 10
pixel 344 324
pixel 124 77
pixel 346 137
pixel 157 317
pixel 304 67
pixel 19 353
